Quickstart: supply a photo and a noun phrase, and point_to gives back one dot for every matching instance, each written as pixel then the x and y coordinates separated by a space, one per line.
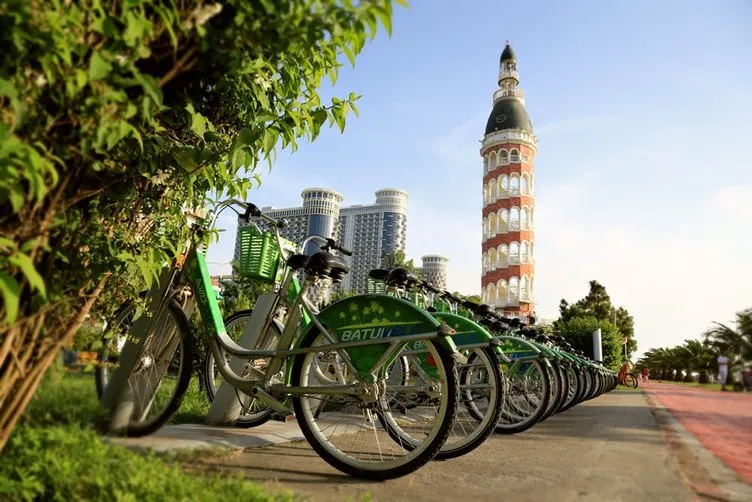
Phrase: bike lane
pixel 721 421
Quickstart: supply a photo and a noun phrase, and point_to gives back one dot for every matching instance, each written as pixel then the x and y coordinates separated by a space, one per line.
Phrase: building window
pixel 503 157
pixel 514 155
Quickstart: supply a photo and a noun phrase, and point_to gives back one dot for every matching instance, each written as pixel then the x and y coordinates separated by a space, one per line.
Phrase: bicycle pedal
pixel 282 417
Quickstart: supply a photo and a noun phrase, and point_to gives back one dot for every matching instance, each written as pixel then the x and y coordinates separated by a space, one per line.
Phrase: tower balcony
pixel 508 92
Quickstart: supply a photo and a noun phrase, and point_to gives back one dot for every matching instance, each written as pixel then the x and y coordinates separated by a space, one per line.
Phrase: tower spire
pixel 509 79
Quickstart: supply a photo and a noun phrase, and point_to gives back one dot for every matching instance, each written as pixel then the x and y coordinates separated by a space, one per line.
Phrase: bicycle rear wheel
pixel 349 432
pixel 161 374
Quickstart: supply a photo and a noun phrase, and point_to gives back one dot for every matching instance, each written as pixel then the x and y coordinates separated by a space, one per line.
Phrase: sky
pixel 643 113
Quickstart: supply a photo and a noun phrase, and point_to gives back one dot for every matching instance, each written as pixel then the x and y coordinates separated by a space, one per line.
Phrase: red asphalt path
pixel 721 421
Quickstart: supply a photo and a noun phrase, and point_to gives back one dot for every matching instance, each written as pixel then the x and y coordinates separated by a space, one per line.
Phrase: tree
pixel 579 332
pixel 597 303
pixel 115 117
pixel 397 259
pixel 736 344
pixel 470 298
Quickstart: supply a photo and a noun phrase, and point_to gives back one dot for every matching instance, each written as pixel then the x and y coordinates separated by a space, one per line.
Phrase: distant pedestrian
pixel 723 364
pixel 645 374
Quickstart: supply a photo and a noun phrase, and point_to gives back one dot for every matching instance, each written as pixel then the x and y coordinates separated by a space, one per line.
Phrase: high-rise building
pixel 508 149
pixel 434 270
pixel 372 232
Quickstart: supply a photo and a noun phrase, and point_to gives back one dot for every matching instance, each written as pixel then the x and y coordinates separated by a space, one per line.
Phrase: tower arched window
pixel 532 184
pixel 505 185
pixel 514 185
pixel 492 190
pixel 524 252
pixel 514 219
pixel 514 253
pixel 492 259
pixel 504 221
pixel 532 286
pixel 485 193
pixel 492 161
pixel 514 155
pixel 524 218
pixel 514 291
pixel 485 228
pixel 491 294
pixel 501 292
pixel 503 157
pixel 484 262
pixel 524 289
pixel 492 230
pixel 503 256
pixel 532 252
pixel 532 219
pixel 524 185
pixel 485 164
pixel 500 193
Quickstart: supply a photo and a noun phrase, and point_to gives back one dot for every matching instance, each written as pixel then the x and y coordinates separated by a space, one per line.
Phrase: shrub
pixel 115 116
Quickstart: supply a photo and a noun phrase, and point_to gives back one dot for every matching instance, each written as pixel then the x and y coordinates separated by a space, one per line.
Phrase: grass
pixel 56 453
pixel 708 386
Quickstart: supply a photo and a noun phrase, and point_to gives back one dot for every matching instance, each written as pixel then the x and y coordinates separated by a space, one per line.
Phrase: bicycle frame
pixel 368 353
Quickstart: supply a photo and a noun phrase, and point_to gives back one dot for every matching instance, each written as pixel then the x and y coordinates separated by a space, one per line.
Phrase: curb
pixel 702 471
pixel 188 437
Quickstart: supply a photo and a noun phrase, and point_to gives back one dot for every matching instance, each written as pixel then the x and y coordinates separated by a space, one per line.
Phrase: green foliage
pixel 579 332
pixel 119 114
pixel 598 304
pixel 398 258
pixel 70 463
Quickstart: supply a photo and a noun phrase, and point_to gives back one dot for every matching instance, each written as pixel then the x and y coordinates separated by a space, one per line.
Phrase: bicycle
pixel 321 366
pixel 481 384
pixel 626 378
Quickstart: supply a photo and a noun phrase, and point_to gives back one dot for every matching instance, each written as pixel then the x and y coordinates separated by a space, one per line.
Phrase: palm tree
pixel 736 344
pixel 700 357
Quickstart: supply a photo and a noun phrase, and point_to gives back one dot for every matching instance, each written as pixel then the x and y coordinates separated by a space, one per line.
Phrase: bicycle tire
pixel 534 418
pixel 186 342
pixel 419 456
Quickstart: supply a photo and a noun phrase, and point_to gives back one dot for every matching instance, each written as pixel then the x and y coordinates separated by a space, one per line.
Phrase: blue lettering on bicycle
pixel 361 334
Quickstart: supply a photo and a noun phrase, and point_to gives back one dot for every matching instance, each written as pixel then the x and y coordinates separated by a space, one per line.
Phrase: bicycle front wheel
pixel 161 374
pixel 348 430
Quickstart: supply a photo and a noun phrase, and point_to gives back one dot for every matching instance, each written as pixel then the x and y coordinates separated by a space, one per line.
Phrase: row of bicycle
pixel 379 383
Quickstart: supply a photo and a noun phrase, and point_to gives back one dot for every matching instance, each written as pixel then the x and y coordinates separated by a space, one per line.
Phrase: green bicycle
pixel 330 368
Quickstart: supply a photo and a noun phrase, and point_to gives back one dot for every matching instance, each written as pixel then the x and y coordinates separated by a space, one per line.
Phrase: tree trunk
pixel 28 350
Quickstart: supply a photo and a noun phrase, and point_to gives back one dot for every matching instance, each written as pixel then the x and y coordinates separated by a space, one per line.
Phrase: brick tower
pixel 508 150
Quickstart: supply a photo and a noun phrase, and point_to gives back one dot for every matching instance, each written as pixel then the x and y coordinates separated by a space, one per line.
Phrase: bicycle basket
pixel 373 286
pixel 259 253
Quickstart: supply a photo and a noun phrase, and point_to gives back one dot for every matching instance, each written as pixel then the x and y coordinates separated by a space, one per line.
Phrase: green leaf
pixel 198 124
pixel 245 137
pixel 185 158
pixel 11 292
pixel 98 67
pixel 349 53
pixel 24 263
pixel 270 139
pixel 150 86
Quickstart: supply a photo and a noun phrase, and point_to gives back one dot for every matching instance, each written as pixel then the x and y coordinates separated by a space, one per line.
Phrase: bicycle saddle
pixel 323 263
pixel 379 274
pixel 401 277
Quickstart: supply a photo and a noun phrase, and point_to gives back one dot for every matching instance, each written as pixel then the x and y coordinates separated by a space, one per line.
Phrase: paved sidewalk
pixel 721 422
pixel 608 449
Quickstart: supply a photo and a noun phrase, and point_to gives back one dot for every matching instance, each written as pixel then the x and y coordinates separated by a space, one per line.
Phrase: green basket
pixel 259 253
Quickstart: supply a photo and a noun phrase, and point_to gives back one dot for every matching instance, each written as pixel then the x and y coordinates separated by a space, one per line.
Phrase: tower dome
pixel 509 101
